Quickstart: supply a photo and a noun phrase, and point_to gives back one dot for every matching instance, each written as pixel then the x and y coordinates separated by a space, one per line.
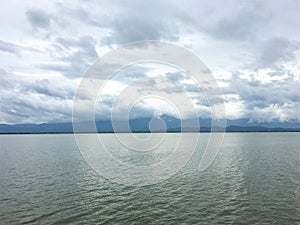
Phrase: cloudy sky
pixel 251 47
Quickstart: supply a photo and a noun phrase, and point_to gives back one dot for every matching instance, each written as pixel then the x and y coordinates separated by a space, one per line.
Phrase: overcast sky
pixel 251 47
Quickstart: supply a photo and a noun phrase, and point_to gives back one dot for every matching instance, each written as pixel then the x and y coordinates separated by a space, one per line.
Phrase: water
pixel 254 180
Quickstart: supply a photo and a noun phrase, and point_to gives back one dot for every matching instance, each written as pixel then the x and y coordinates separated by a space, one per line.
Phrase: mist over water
pixel 255 179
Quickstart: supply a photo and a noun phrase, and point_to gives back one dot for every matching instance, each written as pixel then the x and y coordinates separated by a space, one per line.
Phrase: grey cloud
pixel 132 20
pixel 178 77
pixel 254 32
pixel 132 29
pixel 24 108
pixel 167 20
pixel 142 109
pixel 28 109
pixel 276 51
pixel 28 101
pixel 192 88
pixel 128 21
pixel 175 77
pixel 40 86
pixel 241 26
pixel 173 90
pixel 104 106
pixel 64 68
pixel 46 88
pixel 86 43
pixel 107 100
pixel 78 64
pixel 73 56
pixel 146 86
pixel 278 73
pixel 131 74
pixel 150 86
pixel 8 47
pixel 201 100
pixel 38 18
pixel 257 95
pixel 5 81
pixel 15 48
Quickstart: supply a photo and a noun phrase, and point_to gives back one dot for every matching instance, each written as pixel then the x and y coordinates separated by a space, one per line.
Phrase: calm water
pixel 254 180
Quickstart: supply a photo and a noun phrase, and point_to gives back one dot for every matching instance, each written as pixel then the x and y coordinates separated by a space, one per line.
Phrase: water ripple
pixel 254 180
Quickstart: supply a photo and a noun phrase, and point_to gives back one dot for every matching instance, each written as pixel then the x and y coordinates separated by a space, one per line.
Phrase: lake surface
pixel 255 179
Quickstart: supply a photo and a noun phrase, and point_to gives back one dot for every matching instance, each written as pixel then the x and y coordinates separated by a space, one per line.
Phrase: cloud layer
pixel 251 47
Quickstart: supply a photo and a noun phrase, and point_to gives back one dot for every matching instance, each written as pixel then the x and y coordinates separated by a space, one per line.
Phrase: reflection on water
pixel 254 180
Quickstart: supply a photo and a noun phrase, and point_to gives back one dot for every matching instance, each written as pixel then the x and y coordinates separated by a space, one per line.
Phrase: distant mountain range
pixel 142 125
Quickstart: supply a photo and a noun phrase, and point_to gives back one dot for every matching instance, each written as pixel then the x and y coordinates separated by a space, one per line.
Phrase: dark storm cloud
pixel 38 18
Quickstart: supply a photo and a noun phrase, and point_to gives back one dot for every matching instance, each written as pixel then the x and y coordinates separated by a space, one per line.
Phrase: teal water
pixel 254 180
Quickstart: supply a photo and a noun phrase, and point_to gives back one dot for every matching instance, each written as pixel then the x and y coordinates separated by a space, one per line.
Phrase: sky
pixel 251 47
